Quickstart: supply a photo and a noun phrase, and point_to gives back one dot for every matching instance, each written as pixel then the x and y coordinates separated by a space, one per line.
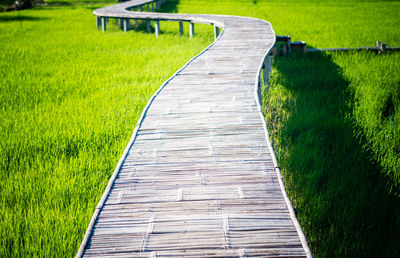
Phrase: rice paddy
pixel 71 95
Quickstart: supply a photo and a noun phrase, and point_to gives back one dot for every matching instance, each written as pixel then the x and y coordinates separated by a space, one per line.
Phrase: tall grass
pixel 70 97
pixel 321 23
pixel 342 198
pixel 375 85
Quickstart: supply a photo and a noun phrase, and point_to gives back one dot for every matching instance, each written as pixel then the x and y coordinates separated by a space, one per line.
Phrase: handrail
pixel 121 11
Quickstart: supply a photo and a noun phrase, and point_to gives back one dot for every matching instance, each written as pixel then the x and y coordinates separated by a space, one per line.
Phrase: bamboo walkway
pixel 199 177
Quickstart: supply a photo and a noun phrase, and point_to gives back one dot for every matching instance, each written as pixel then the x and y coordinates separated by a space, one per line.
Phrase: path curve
pixel 199 176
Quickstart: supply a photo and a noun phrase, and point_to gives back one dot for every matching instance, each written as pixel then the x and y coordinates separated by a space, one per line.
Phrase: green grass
pixel 375 85
pixel 321 23
pixel 70 98
pixel 340 192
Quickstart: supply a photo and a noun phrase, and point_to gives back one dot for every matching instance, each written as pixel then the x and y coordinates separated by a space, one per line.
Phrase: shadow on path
pixel 340 194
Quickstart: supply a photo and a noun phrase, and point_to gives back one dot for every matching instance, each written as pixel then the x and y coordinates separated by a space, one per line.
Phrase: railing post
pixel 284 50
pixel 152 6
pixel 148 7
pixel 381 46
pixel 141 8
pixel 304 48
pixel 157 27
pixel 191 29
pixel 267 70
pixel 149 26
pixel 103 23
pixel 98 22
pixel 121 23
pixel 216 32
pixel 125 24
pixel 181 28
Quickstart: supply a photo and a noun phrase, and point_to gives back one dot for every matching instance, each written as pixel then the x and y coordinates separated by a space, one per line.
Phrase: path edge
pixel 257 92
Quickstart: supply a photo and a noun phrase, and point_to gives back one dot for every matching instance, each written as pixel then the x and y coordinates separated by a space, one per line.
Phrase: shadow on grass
pixel 340 194
pixel 14 18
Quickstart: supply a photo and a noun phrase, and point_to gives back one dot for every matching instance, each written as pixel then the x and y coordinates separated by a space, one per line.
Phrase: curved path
pixel 199 177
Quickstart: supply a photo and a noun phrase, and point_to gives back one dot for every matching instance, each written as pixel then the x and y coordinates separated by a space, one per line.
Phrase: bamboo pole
pixel 103 23
pixel 157 28
pixel 191 29
pixel 181 32
pixel 98 22
pixel 216 32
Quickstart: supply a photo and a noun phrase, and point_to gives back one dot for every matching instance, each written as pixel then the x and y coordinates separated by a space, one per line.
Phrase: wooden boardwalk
pixel 199 178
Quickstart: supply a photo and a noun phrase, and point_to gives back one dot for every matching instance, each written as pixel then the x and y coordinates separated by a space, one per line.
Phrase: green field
pixel 346 205
pixel 70 99
pixel 71 96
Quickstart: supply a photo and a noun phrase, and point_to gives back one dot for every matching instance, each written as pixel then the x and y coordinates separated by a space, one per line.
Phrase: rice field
pixel 71 95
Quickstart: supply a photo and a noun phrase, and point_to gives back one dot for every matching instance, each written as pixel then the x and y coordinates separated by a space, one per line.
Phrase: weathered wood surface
pixel 198 178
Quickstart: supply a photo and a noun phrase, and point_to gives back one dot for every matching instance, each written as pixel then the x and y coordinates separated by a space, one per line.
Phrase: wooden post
pixel 152 6
pixel 274 51
pixel 381 46
pixel 121 24
pixel 267 69
pixel 148 7
pixel 191 29
pixel 304 48
pixel 149 26
pixel 98 22
pixel 284 50
pixel 157 27
pixel 289 49
pixel 103 23
pixel 126 24
pixel 181 32
pixel 216 32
